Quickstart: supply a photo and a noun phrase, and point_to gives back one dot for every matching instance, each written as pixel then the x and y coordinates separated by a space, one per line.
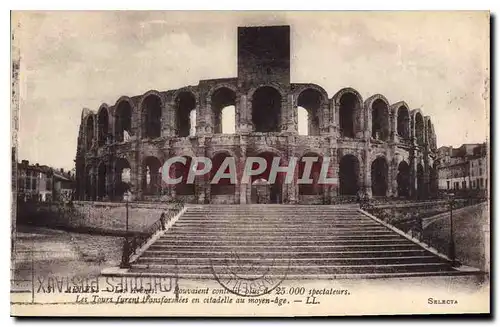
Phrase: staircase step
pixel 211 238
pixel 280 220
pixel 272 207
pixel 255 213
pixel 273 224
pixel 315 261
pixel 292 275
pixel 316 269
pixel 304 254
pixel 275 232
pixel 295 216
pixel 267 248
pixel 287 242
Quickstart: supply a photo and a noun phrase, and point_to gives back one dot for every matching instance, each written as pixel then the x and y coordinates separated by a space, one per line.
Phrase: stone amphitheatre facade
pixel 376 147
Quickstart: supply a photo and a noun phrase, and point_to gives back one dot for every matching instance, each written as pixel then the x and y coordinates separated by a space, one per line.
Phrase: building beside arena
pixel 375 146
pixel 463 168
pixel 41 183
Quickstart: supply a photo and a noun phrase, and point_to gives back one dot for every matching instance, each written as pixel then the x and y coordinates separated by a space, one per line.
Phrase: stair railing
pixel 134 243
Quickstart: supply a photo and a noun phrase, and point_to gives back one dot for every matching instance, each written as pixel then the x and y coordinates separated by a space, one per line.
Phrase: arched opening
pixel 380 120
pixel 302 121
pixel 261 191
pixel 275 189
pixel 152 176
pixel 101 181
pixel 123 120
pixel 192 122
pixel 223 111
pixel 123 180
pixel 266 110
pixel 403 123
pixel 224 185
pixel 379 170
pixel 348 175
pixel 419 128
pixel 185 113
pixel 89 185
pixel 314 188
pixel 420 182
pixel 403 179
pixel 151 108
pixel 89 129
pixel 310 100
pixel 229 120
pixel 179 169
pixel 102 127
pixel 349 104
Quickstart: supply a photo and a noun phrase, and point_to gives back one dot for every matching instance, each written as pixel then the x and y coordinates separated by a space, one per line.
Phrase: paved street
pixel 43 252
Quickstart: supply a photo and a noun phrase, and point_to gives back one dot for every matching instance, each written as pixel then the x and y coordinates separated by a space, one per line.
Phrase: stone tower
pixel 263 55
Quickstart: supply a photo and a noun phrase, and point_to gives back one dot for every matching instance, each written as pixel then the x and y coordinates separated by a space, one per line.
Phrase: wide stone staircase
pixel 299 241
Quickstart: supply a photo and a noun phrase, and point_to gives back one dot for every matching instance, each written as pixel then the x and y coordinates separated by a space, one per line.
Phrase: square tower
pixel 263 55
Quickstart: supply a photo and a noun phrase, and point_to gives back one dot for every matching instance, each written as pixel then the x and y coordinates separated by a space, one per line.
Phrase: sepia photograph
pixel 250 163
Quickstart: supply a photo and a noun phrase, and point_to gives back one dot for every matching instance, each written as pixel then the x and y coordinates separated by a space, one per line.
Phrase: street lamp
pixel 126 246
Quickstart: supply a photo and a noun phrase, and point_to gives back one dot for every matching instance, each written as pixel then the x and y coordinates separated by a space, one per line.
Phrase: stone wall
pixel 99 217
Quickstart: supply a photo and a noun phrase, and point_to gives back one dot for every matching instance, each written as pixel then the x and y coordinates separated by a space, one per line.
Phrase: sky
pixel 435 61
